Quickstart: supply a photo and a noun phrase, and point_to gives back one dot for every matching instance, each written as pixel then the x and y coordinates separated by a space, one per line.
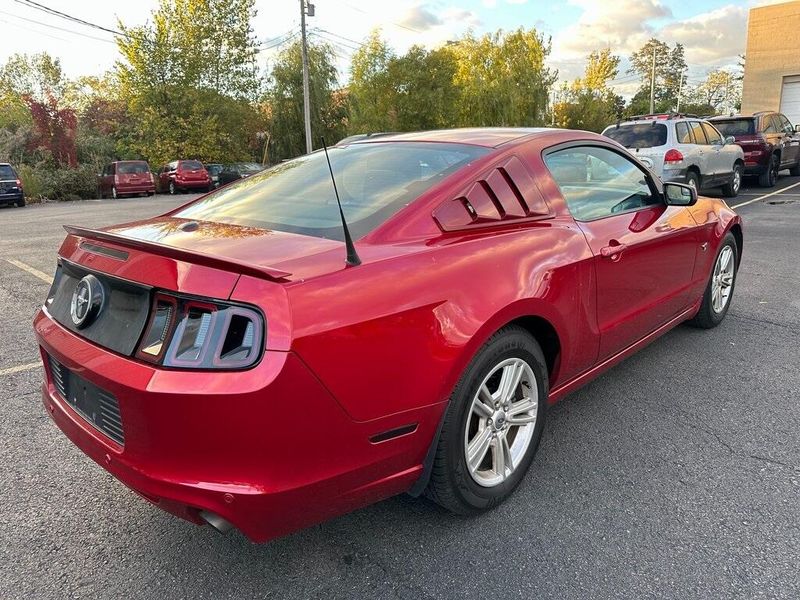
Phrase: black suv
pixel 10 186
pixel 769 141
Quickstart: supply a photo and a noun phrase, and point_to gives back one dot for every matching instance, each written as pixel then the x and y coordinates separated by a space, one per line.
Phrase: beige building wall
pixel 773 52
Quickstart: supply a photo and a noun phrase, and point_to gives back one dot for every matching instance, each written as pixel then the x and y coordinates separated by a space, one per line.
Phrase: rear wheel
pixel 719 291
pixel 172 189
pixel 731 189
pixel 795 170
pixel 770 177
pixel 21 201
pixel 492 426
pixel 693 179
pixel 114 193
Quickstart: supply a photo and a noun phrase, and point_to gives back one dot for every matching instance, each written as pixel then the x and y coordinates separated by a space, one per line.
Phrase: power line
pixel 72 31
pixel 361 10
pixel 341 37
pixel 62 15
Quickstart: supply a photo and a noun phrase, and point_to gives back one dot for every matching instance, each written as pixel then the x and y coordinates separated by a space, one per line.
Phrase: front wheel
pixel 719 291
pixel 114 194
pixel 795 170
pixel 172 189
pixel 731 189
pixel 492 426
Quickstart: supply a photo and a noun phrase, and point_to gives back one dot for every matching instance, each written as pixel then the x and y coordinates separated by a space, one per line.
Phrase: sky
pixel 712 31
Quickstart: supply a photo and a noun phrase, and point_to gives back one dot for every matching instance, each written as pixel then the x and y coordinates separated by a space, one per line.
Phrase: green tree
pixel 189 79
pixel 328 103
pixel 589 103
pixel 670 65
pixel 502 78
pixel 371 90
pixel 719 92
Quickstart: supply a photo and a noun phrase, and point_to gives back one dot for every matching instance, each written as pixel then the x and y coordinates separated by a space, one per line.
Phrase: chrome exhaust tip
pixel 216 521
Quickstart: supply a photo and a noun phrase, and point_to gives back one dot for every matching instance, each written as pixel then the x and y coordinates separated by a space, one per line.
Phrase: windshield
pixel 375 180
pixel 735 127
pixel 640 135
pixel 249 167
pixel 213 169
pixel 6 172
pixel 129 168
pixel 190 165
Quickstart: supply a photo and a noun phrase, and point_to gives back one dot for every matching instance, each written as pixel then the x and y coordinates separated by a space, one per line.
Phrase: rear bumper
pixel 233 443
pixel 11 197
pixel 192 185
pixel 137 189
pixel 675 175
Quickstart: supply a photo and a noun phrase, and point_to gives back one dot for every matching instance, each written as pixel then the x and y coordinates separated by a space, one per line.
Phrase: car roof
pixel 490 137
pixel 739 117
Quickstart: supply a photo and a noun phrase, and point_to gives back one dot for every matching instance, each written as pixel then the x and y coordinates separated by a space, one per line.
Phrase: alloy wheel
pixel 501 422
pixel 722 280
pixel 737 179
pixel 114 193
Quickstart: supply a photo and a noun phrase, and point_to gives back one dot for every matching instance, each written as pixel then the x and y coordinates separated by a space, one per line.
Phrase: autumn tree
pixel 502 78
pixel 720 91
pixel 589 103
pixel 285 96
pixel 371 91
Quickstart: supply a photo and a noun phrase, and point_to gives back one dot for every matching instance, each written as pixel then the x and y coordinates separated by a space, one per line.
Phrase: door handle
pixel 613 250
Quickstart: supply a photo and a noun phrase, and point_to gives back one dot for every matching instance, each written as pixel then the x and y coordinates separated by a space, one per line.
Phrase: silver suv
pixel 683 148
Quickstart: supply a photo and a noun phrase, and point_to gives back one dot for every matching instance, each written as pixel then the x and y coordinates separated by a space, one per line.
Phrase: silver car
pixel 684 149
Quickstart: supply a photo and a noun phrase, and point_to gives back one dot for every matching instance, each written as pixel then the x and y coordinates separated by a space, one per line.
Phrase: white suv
pixel 683 148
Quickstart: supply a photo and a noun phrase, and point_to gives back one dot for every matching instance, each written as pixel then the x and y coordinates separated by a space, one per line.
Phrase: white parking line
pixel 775 193
pixel 35 272
pixel 20 368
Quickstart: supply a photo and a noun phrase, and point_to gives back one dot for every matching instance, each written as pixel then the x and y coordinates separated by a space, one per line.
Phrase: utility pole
pixel 653 83
pixel 680 91
pixel 306 8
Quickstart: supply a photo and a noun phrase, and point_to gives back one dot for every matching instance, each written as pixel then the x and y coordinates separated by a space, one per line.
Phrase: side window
pixel 597 182
pixel 768 125
pixel 683 134
pixel 712 135
pixel 786 126
pixel 697 132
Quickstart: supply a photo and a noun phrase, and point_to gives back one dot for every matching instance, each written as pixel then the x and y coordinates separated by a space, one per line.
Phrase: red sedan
pixel 237 364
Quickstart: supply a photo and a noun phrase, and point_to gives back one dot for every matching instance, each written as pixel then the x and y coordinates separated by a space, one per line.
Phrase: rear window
pixel 214 169
pixel 6 172
pixel 639 135
pixel 191 165
pixel 375 180
pixel 735 127
pixel 130 168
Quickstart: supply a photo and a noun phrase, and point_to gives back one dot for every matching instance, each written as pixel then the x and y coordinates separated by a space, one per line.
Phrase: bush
pixel 59 184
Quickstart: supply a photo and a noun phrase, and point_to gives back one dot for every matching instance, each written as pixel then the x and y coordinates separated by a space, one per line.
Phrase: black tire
pixel 707 317
pixel 693 179
pixel 451 485
pixel 770 177
pixel 21 202
pixel 172 189
pixel 731 189
pixel 150 194
pixel 795 170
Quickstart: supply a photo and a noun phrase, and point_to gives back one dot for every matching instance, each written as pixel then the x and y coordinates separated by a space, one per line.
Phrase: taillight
pixel 672 156
pixel 19 183
pixel 195 334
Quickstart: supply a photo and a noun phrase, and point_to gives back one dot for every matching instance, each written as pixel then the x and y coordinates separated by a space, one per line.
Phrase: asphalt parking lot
pixel 675 475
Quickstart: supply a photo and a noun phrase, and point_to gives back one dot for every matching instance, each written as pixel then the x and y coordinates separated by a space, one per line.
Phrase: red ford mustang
pixel 228 364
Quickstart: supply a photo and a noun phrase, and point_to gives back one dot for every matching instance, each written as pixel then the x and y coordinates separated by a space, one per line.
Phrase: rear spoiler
pixel 201 258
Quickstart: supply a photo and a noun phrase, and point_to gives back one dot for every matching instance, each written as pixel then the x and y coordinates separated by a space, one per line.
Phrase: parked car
pixel 236 171
pixel 183 176
pixel 684 149
pixel 241 362
pixel 126 178
pixel 214 169
pixel 11 192
pixel 769 141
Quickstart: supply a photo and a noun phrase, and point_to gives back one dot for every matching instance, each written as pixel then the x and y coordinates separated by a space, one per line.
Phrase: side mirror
pixel 679 194
pixel 797 128
pixel 730 140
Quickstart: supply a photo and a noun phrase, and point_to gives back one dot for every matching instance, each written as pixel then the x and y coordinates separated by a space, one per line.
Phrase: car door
pixel 791 141
pixel 644 251
pixel 719 159
pixel 700 152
